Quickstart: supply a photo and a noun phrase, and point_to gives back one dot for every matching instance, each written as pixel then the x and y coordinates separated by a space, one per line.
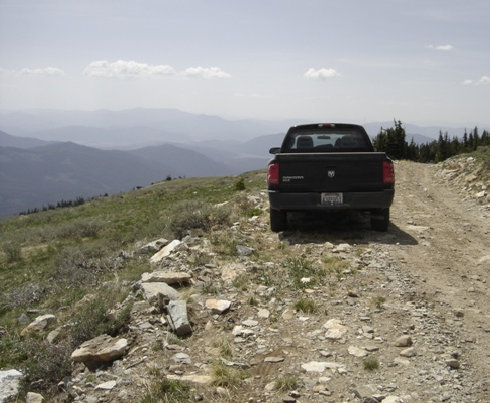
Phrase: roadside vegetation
pixel 78 262
pixel 393 141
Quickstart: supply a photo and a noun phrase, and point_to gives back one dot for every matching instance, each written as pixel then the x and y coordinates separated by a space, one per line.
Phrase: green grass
pixel 306 305
pixel 370 364
pixel 286 383
pixel 226 376
pixel 165 390
pixel 303 273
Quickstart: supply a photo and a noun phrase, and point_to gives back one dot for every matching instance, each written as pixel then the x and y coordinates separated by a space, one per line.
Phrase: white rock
pixel 101 349
pixel 263 313
pixel 9 384
pixel 32 397
pixel 250 323
pixel 218 306
pixel 357 352
pixel 154 246
pixel 273 359
pixel 408 352
pixel 181 358
pixel 392 399
pixel 244 250
pixel 177 314
pixel 165 251
pixel 335 329
pixel 240 331
pixel 403 341
pixel 156 293
pixel 197 379
pixel 320 366
pixel 106 385
pixel 39 324
pixel 169 277
pixel 342 247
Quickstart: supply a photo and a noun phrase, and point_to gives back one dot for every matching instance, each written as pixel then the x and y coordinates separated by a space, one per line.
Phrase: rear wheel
pixel 380 220
pixel 279 220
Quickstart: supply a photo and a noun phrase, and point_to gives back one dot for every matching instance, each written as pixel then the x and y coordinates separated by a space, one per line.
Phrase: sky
pixel 418 61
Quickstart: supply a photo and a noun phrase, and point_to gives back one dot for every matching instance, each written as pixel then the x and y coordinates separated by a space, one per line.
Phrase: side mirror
pixel 274 150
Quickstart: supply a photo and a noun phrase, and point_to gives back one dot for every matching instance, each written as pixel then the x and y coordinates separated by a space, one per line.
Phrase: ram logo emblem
pixel 331 173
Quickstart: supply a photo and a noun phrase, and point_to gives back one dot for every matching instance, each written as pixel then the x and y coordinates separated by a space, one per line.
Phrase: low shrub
pixel 301 269
pixel 93 317
pixel 370 364
pixel 12 251
pixel 82 265
pixel 196 214
pixel 286 383
pixel 227 376
pixel 165 390
pixel 25 296
pixel 47 363
pixel 239 185
pixel 306 305
pixel 80 228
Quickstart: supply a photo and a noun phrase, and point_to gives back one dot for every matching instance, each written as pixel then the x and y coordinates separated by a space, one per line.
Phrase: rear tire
pixel 279 221
pixel 380 220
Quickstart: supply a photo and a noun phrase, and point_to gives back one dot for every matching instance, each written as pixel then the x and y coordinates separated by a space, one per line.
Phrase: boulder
pixel 218 306
pixel 357 352
pixel 165 251
pixel 101 350
pixel 154 246
pixel 9 384
pixel 158 294
pixel 177 313
pixel 39 324
pixel 195 379
pixel 335 329
pixel 244 250
pixel 169 277
pixel 320 366
pixel 403 341
pixel 32 397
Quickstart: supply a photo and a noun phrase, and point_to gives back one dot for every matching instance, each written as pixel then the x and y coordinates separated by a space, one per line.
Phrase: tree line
pixel 393 142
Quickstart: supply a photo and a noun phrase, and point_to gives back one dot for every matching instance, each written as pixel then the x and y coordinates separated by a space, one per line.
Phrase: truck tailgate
pixel 331 172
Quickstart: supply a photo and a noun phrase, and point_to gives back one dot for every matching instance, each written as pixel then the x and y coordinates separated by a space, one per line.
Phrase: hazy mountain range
pixel 49 155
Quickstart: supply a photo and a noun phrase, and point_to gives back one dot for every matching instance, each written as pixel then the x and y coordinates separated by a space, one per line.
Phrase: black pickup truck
pixel 329 167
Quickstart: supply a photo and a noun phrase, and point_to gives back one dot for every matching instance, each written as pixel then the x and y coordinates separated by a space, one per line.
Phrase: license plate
pixel 332 199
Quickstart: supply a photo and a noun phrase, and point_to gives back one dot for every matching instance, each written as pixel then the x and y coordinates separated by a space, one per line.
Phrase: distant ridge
pixel 6 140
pixel 38 176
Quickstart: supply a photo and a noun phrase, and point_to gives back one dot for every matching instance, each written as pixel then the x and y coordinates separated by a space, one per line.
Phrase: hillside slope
pixel 39 176
pixel 329 311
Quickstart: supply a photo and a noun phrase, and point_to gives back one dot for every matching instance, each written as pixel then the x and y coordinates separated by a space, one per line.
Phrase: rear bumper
pixel 312 201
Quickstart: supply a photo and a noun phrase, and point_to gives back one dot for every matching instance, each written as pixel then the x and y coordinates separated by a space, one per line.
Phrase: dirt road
pixel 449 262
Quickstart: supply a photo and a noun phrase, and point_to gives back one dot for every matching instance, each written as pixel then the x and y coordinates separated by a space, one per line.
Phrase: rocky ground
pixel 400 316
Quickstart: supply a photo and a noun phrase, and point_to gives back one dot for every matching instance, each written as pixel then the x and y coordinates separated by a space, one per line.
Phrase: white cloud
pixel 321 74
pixel 47 71
pixel 126 69
pixel 131 69
pixel 205 72
pixel 441 47
pixel 484 80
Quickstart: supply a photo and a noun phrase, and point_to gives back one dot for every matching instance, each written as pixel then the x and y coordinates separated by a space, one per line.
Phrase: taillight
pixel 273 174
pixel 388 172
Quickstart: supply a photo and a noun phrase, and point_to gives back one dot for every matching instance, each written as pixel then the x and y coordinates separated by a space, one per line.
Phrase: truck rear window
pixel 329 139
